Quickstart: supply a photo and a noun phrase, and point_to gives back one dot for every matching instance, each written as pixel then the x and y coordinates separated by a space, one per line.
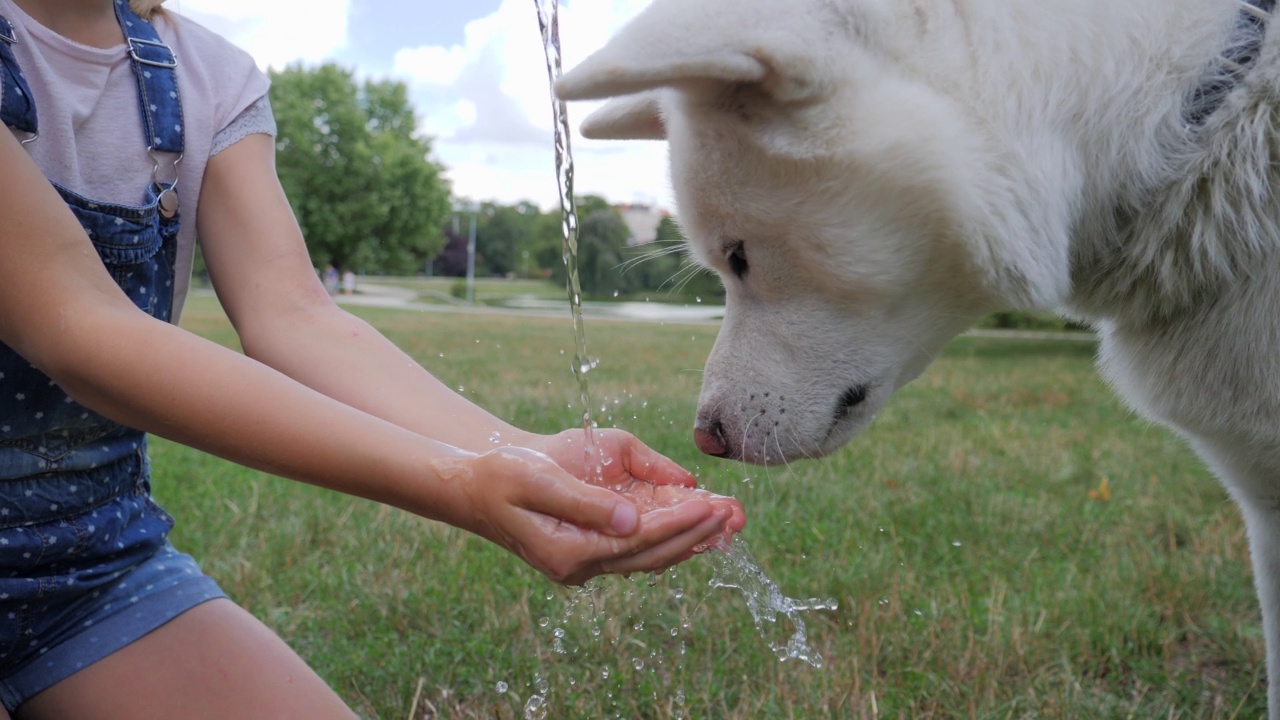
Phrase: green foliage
pixel 522 241
pixel 1018 320
pixel 504 234
pixel 358 176
pixel 663 265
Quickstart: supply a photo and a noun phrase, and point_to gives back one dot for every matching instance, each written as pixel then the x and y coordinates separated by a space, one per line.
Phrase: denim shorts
pixel 85 569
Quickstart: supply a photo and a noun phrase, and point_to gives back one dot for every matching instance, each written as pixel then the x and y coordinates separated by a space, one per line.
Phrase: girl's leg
pixel 215 661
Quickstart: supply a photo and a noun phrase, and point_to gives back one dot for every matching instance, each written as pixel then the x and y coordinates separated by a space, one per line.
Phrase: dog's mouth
pixel 740 438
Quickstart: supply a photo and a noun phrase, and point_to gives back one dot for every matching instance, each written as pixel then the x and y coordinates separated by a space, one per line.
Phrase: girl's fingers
pixel 563 497
pixel 673 550
pixel 645 463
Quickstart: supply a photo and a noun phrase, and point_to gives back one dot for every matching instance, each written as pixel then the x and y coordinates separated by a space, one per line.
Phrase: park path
pixel 390 296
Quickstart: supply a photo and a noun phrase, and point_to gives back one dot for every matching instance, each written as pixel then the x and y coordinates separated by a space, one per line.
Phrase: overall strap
pixel 17 106
pixel 153 64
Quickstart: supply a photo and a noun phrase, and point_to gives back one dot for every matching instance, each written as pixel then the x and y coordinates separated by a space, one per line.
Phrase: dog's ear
pixel 653 51
pixel 634 117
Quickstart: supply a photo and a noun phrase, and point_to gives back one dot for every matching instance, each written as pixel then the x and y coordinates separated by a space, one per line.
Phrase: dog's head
pixel 840 199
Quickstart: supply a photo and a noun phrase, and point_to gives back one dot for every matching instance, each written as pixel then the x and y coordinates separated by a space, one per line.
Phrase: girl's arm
pixel 61 311
pixel 262 272
pixel 263 275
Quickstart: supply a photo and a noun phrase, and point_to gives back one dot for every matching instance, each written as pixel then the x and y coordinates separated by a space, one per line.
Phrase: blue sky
pixel 476 73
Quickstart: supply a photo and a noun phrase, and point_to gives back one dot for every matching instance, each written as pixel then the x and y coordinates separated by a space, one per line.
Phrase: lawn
pixel 1006 541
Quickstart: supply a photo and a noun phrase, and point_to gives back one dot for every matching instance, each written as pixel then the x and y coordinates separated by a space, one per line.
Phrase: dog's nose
pixel 708 435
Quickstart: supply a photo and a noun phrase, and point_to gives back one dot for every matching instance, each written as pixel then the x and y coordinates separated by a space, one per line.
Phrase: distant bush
pixel 1015 320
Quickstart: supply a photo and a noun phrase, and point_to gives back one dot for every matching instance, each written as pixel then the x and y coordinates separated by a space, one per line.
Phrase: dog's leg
pixel 1255 485
pixel 1264 547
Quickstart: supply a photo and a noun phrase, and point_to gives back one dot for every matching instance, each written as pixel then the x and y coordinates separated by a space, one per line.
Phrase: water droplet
pixel 544 621
pixel 501 688
pixel 955 543
pixel 637 663
pixel 535 708
pixel 495 438
pixel 605 673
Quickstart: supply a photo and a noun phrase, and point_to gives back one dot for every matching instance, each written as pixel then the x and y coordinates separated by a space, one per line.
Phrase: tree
pixel 503 236
pixel 359 177
pixel 602 239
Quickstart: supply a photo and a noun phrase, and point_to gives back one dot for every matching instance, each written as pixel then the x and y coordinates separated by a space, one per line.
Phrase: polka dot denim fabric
pixel 41 427
pixel 85 563
pixel 85 569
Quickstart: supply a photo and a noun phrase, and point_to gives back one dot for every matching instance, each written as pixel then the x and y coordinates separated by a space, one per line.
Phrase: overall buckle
pixel 7 36
pixel 150 52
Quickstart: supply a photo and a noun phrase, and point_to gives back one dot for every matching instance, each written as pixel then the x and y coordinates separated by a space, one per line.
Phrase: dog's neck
pixel 1237 59
pixel 1185 211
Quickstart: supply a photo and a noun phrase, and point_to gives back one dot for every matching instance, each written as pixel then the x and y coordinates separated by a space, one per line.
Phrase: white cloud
pixel 485 100
pixel 503 150
pixel 275 32
pixel 432 65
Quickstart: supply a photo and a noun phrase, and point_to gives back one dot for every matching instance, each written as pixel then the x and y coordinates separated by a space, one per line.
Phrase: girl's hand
pixel 569 530
pixel 619 461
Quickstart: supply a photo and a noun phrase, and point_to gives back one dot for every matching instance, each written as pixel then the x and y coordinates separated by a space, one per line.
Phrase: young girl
pixel 130 131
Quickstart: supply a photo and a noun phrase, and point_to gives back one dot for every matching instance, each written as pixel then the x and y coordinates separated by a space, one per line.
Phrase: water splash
pixel 765 600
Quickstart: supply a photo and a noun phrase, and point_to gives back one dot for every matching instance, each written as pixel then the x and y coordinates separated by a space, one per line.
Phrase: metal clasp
pixel 136 44
pixel 7 34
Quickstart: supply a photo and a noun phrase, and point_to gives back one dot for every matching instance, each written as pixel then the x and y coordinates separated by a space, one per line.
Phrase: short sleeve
pixel 253 120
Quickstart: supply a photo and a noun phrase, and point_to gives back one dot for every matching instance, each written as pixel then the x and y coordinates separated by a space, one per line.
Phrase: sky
pixel 476 73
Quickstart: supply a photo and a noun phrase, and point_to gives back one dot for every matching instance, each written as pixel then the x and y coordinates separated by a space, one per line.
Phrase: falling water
pixel 733 569
pixel 549 24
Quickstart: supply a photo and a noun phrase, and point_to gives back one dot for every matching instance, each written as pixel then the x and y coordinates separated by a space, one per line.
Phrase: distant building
pixel 642 221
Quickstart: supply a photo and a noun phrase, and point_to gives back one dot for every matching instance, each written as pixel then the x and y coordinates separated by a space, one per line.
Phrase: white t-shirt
pixel 91 139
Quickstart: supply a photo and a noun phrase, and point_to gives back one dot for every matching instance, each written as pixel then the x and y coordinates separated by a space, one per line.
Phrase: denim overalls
pixel 85 565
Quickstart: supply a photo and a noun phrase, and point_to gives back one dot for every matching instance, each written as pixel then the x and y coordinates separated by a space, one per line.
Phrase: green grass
pixel 976 574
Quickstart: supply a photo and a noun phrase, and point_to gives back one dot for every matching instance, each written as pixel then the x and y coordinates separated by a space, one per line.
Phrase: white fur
pixel 894 169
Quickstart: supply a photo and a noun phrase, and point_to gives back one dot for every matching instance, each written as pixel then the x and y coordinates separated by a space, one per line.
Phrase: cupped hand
pixel 618 460
pixel 570 530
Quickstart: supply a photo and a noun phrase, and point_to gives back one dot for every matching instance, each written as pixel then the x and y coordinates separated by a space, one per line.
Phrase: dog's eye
pixel 736 254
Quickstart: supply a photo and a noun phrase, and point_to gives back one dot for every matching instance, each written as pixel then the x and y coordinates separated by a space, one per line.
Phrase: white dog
pixel 871 176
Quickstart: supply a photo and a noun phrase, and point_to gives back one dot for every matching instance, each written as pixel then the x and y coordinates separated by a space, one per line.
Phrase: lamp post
pixel 468 206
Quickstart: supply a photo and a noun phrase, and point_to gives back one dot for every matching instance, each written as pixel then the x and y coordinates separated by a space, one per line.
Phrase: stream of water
pixel 735 569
